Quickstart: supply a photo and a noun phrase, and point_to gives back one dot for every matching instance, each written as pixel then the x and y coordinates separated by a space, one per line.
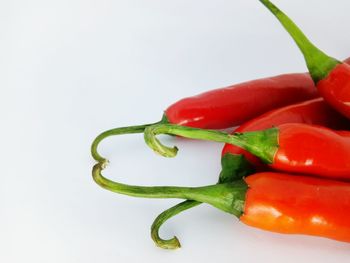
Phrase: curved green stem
pixel 318 63
pixel 172 243
pixel 263 144
pixel 117 131
pixel 227 197
pixel 233 167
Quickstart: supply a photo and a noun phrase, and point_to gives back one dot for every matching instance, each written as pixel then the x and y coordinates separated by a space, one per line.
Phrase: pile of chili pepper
pixel 286 168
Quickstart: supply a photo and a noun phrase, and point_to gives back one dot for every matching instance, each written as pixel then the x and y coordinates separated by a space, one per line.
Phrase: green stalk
pixel 318 63
pixel 118 131
pixel 228 197
pixel 263 144
pixel 234 167
pixel 174 242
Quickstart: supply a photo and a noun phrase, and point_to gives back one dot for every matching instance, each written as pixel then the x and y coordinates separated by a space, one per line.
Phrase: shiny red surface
pixel 314 111
pixel 313 150
pixel 233 105
pixel 298 205
pixel 335 89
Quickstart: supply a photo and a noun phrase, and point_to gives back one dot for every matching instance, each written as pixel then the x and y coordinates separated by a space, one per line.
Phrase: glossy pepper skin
pixel 292 147
pixel 222 108
pixel 298 205
pixel 277 202
pixel 332 78
pixel 313 150
pixel 237 163
pixel 335 89
pixel 233 105
pixel 314 111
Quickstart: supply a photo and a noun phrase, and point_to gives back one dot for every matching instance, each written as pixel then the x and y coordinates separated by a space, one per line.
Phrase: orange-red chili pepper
pixel 283 203
pixel 298 205
pixel 332 78
pixel 292 147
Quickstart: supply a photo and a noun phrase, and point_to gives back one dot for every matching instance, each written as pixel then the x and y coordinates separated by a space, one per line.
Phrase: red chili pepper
pixel 331 76
pixel 314 111
pixel 221 108
pixel 237 163
pixel 275 202
pixel 288 147
pixel 233 105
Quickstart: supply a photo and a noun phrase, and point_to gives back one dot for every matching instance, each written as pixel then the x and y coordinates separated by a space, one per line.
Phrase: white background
pixel 72 68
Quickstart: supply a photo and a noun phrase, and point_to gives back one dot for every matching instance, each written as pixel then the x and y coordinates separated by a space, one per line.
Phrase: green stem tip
pixel 118 131
pixel 228 197
pixel 172 243
pixel 234 167
pixel 263 144
pixel 318 63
